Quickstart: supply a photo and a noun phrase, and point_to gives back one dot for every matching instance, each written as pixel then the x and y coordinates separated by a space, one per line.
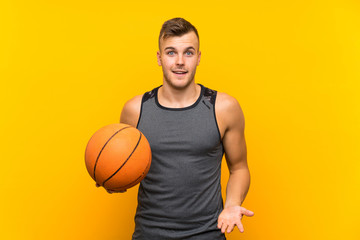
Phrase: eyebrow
pixel 172 48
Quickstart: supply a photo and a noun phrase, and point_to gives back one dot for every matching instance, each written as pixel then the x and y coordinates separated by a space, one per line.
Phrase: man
pixel 189 128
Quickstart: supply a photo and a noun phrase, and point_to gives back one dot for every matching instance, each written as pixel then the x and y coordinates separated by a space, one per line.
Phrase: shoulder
pixel 225 102
pixel 229 110
pixel 131 111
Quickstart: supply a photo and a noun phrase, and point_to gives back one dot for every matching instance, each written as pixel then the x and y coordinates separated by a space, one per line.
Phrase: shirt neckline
pixel 179 109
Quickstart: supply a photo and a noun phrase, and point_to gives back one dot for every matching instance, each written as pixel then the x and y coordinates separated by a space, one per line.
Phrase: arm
pixel 232 123
pixel 236 156
pixel 129 115
pixel 131 111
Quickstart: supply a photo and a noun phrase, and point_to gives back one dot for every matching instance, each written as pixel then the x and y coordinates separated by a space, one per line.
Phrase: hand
pixel 232 216
pixel 111 191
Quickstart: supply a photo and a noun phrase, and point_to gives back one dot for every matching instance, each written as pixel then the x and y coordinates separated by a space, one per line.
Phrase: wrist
pixel 232 204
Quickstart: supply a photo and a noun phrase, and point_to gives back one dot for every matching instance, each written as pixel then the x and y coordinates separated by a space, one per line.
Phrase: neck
pixel 169 96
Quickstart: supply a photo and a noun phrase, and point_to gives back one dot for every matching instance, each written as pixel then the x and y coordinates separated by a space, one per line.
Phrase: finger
pixel 230 228
pixel 249 213
pixel 240 226
pixel 219 225
pixel 116 191
pixel 109 190
pixel 223 227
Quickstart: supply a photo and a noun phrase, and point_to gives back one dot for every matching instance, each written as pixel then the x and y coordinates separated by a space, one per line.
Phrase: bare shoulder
pixel 229 111
pixel 131 111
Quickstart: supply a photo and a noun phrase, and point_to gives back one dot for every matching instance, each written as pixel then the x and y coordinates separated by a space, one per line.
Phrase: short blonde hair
pixel 176 27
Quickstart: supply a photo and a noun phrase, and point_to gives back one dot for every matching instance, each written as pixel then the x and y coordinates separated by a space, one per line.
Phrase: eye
pixel 171 53
pixel 189 53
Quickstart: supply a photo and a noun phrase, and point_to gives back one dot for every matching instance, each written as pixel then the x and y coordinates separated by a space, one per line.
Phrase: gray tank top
pixel 180 197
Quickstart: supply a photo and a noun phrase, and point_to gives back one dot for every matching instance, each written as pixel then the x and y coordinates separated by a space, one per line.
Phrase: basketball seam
pixel 97 159
pixel 137 144
pixel 126 186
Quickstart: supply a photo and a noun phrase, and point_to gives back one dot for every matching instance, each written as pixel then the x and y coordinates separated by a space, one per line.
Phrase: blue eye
pixel 170 53
pixel 189 53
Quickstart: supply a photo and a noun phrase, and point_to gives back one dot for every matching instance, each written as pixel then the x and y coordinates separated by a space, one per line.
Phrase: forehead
pixel 187 40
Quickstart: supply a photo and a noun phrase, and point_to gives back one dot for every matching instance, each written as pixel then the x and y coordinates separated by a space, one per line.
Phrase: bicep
pixel 234 138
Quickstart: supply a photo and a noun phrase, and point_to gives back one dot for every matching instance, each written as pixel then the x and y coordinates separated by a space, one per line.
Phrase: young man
pixel 189 128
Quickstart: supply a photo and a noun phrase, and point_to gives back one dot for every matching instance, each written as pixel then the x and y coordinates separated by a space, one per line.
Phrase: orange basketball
pixel 118 156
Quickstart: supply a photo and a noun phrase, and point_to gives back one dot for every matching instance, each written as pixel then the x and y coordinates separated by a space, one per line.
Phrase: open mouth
pixel 179 72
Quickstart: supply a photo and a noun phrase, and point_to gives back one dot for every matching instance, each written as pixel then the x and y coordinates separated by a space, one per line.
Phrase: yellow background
pixel 67 68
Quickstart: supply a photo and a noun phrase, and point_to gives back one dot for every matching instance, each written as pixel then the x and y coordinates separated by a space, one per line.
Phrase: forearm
pixel 237 187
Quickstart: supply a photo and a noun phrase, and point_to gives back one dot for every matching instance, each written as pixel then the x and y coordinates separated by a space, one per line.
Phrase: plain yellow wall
pixel 67 68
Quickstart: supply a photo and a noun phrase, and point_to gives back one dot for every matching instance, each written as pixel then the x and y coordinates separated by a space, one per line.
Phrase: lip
pixel 179 74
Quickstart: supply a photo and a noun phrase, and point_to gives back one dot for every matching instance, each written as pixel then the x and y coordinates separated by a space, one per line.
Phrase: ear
pixel 158 55
pixel 199 56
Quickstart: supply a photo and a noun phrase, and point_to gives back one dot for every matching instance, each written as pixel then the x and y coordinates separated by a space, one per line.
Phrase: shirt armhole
pixel 141 107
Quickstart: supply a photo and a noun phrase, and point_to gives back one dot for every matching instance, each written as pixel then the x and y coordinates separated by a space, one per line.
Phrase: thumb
pixel 248 213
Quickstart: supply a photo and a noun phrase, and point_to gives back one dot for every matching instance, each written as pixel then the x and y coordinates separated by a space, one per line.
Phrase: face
pixel 179 57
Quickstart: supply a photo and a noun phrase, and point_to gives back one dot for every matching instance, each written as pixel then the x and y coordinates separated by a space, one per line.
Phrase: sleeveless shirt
pixel 180 197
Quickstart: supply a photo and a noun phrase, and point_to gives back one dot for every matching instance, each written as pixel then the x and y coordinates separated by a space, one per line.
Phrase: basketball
pixel 118 156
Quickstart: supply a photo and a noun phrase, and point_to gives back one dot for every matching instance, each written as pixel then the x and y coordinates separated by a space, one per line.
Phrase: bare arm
pixel 129 115
pixel 236 155
pixel 131 111
pixel 232 122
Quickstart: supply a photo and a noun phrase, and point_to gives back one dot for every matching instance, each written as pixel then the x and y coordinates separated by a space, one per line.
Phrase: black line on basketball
pixel 124 162
pixel 125 187
pixel 103 149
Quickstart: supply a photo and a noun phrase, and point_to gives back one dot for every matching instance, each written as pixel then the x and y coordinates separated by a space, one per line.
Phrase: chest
pixel 190 132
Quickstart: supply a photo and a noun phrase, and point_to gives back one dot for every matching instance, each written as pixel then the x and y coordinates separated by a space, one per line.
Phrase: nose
pixel 180 59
